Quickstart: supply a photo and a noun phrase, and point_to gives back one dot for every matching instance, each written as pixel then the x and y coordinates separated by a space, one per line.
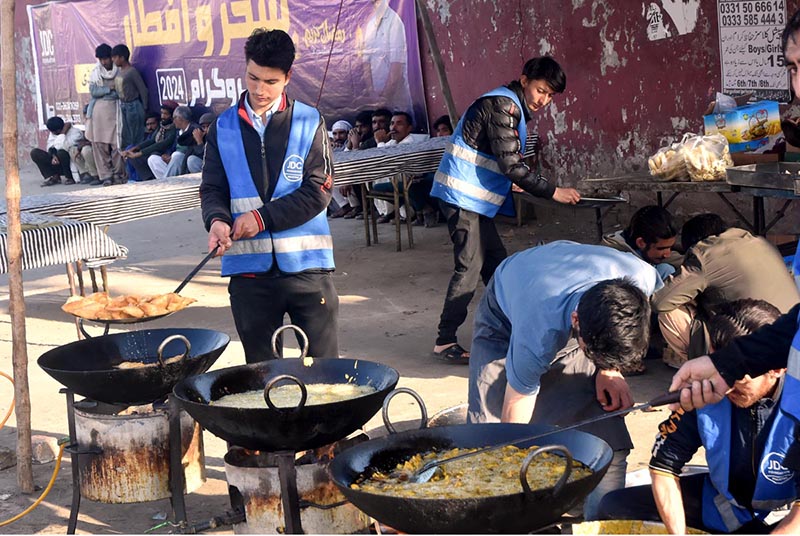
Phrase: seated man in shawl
pixel 163 141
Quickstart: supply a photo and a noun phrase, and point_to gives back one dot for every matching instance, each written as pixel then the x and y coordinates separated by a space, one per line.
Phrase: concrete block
pixel 45 449
pixel 8 458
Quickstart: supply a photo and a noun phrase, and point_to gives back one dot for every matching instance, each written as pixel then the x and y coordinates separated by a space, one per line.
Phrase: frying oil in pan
pixel 288 396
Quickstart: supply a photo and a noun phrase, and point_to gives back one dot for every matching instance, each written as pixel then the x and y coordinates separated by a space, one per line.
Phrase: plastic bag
pixel 668 163
pixel 707 157
pixel 724 104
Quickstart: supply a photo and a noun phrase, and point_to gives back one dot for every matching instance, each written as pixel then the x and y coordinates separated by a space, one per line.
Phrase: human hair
pixel 614 323
pixel 547 69
pixel 443 120
pixel 792 26
pixel 364 117
pixel 406 115
pixel 270 48
pixel 184 112
pixel 103 50
pixel 701 227
pixel 737 318
pixel 382 112
pixel 651 223
pixel 152 115
pixel 121 50
pixel 55 124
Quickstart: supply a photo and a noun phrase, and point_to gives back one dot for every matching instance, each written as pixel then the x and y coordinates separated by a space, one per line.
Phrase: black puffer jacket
pixel 490 126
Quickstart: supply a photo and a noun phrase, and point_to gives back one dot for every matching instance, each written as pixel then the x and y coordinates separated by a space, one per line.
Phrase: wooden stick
pixel 22 408
pixel 436 56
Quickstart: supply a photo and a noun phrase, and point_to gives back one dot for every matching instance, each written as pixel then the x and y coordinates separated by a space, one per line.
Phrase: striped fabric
pixel 60 242
pixel 130 202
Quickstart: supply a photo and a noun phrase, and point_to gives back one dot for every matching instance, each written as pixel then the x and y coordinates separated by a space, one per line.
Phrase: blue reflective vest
pixel 775 484
pixel 471 179
pixel 306 247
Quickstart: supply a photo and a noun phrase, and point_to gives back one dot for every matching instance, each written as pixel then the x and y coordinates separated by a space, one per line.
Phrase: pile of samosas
pixel 100 306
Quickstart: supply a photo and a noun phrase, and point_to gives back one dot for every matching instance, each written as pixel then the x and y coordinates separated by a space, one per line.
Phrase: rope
pixel 44 493
pixel 328 63
pixel 13 400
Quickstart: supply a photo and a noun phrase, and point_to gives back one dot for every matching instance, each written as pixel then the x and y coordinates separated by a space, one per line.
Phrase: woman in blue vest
pixel 267 178
pixel 746 438
pixel 473 183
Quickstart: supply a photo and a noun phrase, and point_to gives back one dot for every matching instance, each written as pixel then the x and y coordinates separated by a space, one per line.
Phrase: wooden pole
pixel 436 55
pixel 22 408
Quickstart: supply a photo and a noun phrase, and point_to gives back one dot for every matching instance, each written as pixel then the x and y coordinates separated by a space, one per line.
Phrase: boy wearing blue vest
pixel 473 184
pixel 267 177
pixel 746 438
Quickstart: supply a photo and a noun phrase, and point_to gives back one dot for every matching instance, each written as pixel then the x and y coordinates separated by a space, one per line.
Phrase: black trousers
pixel 259 305
pixel 477 251
pixel 638 503
pixel 44 161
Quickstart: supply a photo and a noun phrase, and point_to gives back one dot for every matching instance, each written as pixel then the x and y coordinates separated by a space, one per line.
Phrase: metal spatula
pixel 427 471
pixel 196 269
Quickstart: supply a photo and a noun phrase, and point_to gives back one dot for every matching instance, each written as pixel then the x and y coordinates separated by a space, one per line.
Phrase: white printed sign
pixel 750 48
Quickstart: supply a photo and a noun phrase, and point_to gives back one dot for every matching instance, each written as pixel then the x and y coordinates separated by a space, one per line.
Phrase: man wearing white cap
pixel 340 131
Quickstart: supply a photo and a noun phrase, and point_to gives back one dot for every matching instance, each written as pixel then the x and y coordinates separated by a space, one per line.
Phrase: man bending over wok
pixel 552 330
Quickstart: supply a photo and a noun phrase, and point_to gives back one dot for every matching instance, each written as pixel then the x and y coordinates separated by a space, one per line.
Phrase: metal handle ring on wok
pixel 523 471
pixel 303 337
pixel 165 342
pixel 281 377
pixel 385 412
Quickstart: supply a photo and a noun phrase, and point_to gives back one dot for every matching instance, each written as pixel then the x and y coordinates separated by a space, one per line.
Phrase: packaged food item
pixel 668 163
pixel 753 127
pixel 707 157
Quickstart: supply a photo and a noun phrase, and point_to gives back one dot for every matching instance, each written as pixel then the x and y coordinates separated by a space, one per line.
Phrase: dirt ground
pixel 390 305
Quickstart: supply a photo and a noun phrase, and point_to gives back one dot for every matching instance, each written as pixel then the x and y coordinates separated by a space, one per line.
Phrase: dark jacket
pixel 679 439
pixel 265 161
pixel 162 141
pixel 490 126
pixel 186 140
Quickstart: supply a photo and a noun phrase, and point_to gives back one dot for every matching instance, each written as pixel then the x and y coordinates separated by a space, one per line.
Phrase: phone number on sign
pixel 753 13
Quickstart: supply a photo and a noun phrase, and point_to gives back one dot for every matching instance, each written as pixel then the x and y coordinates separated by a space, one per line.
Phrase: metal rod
pixel 396 196
pixel 364 211
pixel 409 224
pixel 778 215
pixel 290 499
pixel 73 457
pixel 176 478
pixel 750 226
pixel 671 199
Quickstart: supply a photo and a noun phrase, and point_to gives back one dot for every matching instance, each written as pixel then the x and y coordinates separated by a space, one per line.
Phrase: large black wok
pixel 90 367
pixel 520 513
pixel 275 429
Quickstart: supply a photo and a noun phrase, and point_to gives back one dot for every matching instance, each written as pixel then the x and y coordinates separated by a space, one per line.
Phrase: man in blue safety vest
pixel 267 177
pixel 473 184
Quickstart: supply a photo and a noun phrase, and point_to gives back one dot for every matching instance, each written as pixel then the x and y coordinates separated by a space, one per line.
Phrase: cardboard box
pixel 754 127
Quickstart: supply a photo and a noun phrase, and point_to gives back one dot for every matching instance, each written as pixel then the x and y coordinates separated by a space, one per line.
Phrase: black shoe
pixel 69 180
pixel 354 214
pixel 96 182
pixel 88 179
pixel 52 181
pixel 108 182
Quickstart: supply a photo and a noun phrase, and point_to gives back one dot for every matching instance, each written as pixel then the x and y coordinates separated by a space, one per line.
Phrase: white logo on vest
pixel 293 168
pixel 773 470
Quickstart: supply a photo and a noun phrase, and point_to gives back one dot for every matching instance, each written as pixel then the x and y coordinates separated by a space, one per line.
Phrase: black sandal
pixel 453 354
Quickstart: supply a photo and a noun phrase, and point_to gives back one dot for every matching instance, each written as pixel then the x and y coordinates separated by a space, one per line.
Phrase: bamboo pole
pixel 436 55
pixel 22 408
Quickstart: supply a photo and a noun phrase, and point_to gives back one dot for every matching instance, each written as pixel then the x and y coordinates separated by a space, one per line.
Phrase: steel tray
pixel 771 175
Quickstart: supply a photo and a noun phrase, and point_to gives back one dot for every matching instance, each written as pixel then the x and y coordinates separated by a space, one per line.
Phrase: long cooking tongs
pixel 429 469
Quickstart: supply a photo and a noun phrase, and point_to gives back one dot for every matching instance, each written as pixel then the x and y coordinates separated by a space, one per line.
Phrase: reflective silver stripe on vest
pixel 725 509
pixel 473 158
pixel 469 189
pixel 245 204
pixel 302 243
pixel 772 505
pixel 793 366
pixel 246 247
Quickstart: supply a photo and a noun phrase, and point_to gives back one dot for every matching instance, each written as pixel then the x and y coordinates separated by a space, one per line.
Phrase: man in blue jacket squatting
pixel 473 184
pixel 267 177
pixel 552 330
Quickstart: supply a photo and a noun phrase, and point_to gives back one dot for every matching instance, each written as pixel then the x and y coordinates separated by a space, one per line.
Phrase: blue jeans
pixel 132 123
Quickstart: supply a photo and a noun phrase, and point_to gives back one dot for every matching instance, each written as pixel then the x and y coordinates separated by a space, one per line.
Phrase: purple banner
pixel 191 51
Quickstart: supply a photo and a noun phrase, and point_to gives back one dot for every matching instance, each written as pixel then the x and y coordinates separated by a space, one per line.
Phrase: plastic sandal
pixel 453 354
